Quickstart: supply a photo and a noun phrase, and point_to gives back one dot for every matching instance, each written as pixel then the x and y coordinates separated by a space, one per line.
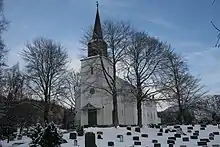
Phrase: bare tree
pixel 181 89
pixel 143 60
pixel 116 35
pixel 45 67
pixel 72 84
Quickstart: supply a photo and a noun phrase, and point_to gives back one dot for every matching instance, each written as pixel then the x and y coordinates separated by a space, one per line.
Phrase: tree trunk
pixel 139 114
pixel 115 111
pixel 46 111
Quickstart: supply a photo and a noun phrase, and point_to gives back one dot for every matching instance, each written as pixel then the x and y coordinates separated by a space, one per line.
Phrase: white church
pixel 93 102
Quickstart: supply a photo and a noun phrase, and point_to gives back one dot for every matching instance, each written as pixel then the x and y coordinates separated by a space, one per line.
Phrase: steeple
pixel 97 45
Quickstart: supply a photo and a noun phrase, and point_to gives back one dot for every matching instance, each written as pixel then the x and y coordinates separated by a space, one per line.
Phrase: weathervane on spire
pixel 97 4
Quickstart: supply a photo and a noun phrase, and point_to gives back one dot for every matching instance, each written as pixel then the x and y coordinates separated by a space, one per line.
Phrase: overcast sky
pixel 183 23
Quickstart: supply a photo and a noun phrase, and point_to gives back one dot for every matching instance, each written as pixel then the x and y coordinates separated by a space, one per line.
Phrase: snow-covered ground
pixel 109 134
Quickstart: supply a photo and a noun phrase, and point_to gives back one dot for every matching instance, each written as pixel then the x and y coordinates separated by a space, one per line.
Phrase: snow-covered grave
pixel 203 134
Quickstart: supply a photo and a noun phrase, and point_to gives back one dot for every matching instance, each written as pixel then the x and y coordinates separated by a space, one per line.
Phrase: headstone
pixel 167 131
pixel 90 139
pixel 215 145
pixel 173 130
pixel 157 127
pixel 161 130
pixel 159 134
pixel 99 136
pixel 172 138
pixel 19 137
pixel 216 133
pixel 211 138
pixel 182 145
pixel 137 129
pixel 201 143
pixel 202 128
pixel 177 135
pixel 154 141
pixel 157 145
pixel 75 143
pixel 121 139
pixel 170 145
pixel 128 128
pixel 197 131
pixel 137 143
pixel 170 141
pixel 204 139
pixel 128 133
pixel 195 134
pixel 135 137
pixel 73 136
pixel 189 131
pixel 185 138
pixel 176 127
pixel 144 135
pixel 193 137
pixel 212 135
pixel 189 128
pixel 118 136
pixel 110 143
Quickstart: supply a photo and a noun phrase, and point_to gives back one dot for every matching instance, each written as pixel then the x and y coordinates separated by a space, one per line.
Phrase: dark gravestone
pixel 128 133
pixel 170 145
pixel 197 131
pixel 193 137
pixel 136 138
pixel 171 138
pixel 137 129
pixel 176 127
pixel 99 136
pixel 161 130
pixel 211 138
pixel 154 141
pixel 211 134
pixel 177 135
pixel 90 139
pixel 170 141
pixel 201 143
pixel 189 131
pixel 73 136
pixel 185 138
pixel 195 134
pixel 118 136
pixel 19 137
pixel 159 134
pixel 144 135
pixel 167 131
pixel 202 128
pixel 204 139
pixel 157 145
pixel 157 127
pixel 189 128
pixel 182 145
pixel 128 128
pixel 216 133
pixel 110 143
pixel 137 143
pixel 173 130
pixel 100 132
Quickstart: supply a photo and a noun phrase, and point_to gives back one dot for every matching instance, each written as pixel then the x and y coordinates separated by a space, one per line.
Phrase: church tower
pixel 92 102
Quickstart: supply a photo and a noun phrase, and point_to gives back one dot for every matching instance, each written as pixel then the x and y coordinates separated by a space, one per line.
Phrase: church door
pixel 92 117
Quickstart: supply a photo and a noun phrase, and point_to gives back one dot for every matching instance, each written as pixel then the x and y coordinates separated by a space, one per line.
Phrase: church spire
pixel 97 31
pixel 97 45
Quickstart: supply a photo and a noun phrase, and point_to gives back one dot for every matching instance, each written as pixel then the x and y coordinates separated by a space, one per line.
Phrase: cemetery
pixel 162 136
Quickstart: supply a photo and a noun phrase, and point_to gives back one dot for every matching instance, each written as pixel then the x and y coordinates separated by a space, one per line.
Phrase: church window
pixel 151 116
pixel 91 70
pixel 121 112
pixel 92 91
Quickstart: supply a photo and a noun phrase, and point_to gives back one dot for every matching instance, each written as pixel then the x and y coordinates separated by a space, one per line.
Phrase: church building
pixel 93 102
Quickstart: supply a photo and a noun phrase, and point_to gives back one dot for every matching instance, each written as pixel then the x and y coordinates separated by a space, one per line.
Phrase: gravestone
pixel 177 135
pixel 189 128
pixel 193 137
pixel 137 129
pixel 161 130
pixel 212 135
pixel 73 136
pixel 144 135
pixel 202 128
pixel 195 134
pixel 211 138
pixel 204 139
pixel 201 143
pixel 172 138
pixel 189 131
pixel 157 145
pixel 154 141
pixel 90 139
pixel 128 128
pixel 167 131
pixel 170 141
pixel 159 134
pixel 216 133
pixel 137 143
pixel 19 137
pixel 128 133
pixel 170 145
pixel 185 138
pixel 176 127
pixel 182 145
pixel 197 131
pixel 110 143
pixel 136 138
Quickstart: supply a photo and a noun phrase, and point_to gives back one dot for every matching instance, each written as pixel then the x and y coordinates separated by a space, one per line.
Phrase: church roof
pixel 97 31
pixel 90 106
